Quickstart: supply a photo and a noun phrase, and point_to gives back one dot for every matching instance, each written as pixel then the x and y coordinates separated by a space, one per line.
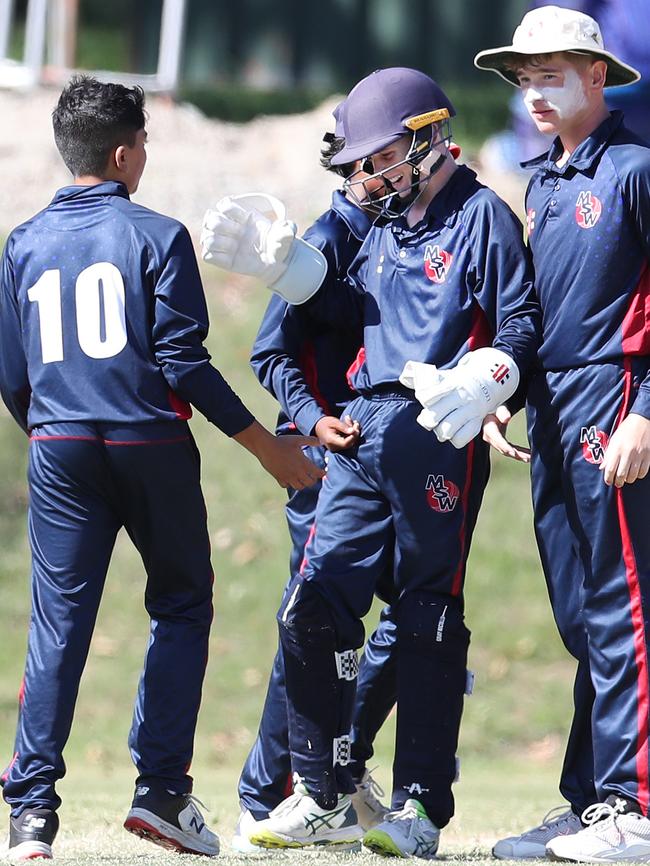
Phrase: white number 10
pixel 100 285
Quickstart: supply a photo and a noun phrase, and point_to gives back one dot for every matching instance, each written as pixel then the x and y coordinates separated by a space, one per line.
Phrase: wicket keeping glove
pixel 459 400
pixel 422 378
pixel 238 236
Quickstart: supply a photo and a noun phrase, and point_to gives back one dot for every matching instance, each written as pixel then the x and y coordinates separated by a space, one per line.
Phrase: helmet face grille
pixel 374 192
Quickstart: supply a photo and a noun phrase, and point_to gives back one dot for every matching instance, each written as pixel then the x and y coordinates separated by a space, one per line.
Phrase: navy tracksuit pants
pixel 404 503
pixel 594 543
pixel 86 481
pixel 266 777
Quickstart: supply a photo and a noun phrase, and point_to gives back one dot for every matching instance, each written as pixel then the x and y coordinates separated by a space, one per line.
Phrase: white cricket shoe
pixel 407 833
pixel 241 841
pixel 532 843
pixel 299 822
pixel 369 808
pixel 611 834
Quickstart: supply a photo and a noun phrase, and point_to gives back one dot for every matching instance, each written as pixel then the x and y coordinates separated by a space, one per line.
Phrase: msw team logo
pixel 594 442
pixel 436 263
pixel 588 210
pixel 442 495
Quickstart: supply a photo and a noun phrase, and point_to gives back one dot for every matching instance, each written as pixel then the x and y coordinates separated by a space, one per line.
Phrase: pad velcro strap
pixel 347 665
pixel 342 752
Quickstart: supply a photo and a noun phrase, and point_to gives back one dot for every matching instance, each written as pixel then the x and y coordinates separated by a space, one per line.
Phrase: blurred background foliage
pixel 252 57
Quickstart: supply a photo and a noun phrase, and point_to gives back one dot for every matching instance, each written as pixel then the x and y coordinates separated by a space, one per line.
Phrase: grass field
pixel 514 724
pixel 493 798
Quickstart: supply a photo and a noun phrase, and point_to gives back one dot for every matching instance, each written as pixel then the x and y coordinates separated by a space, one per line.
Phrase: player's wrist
pixel 256 439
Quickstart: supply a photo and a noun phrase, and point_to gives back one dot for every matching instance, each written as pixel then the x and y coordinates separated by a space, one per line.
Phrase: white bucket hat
pixel 550 29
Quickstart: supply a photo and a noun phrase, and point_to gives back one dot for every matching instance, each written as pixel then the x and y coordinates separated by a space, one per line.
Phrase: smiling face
pixel 390 162
pixel 561 90
pixel 363 185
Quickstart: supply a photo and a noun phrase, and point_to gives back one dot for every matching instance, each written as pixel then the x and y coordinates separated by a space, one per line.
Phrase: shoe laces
pixel 602 812
pixel 189 797
pixel 601 819
pixel 372 790
pixel 406 813
pixel 557 815
pixel 285 806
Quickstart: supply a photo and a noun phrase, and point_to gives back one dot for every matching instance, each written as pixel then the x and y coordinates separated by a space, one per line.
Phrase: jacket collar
pixel 587 152
pixel 108 187
pixel 356 219
pixel 445 205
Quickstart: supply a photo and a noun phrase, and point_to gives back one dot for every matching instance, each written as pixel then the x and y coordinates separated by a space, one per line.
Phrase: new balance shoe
pixel 369 808
pixel 31 834
pixel 299 822
pixel 408 832
pixel 241 841
pixel 532 843
pixel 614 831
pixel 171 820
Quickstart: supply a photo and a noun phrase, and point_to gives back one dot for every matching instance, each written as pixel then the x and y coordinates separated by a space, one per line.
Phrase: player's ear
pixel 598 74
pixel 119 158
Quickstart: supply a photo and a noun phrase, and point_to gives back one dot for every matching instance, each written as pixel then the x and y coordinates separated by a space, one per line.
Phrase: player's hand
pixel 627 458
pixel 284 459
pixel 243 240
pixel 281 456
pixel 495 427
pixel 337 434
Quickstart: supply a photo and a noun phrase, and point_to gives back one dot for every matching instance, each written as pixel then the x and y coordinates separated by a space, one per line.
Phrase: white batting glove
pixel 458 400
pixel 237 236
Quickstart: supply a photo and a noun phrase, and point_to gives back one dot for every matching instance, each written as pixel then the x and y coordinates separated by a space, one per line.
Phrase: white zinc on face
pixel 567 99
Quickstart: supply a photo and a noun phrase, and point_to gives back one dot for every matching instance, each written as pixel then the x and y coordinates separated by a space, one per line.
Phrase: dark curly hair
pixel 92 118
pixel 333 145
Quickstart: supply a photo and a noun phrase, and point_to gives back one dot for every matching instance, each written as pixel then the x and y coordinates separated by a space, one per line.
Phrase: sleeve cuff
pixel 307 417
pixel 233 421
pixel 641 405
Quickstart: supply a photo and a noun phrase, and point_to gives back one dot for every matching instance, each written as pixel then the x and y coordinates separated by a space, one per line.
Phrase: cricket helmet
pixel 383 108
pixel 386 105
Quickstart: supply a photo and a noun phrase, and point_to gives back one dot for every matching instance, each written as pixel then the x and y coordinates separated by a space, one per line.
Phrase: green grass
pixel 516 719
pixel 492 799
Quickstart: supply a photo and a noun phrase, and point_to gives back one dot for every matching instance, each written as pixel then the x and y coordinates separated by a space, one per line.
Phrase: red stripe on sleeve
pixel 636 324
pixel 310 371
pixel 480 334
pixel 356 365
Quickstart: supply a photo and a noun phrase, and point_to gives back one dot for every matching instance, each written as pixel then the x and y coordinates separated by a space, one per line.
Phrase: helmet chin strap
pixel 425 158
pixel 416 192
pixel 432 169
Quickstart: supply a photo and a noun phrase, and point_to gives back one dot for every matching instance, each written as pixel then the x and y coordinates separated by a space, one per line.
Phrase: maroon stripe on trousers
pixel 638 627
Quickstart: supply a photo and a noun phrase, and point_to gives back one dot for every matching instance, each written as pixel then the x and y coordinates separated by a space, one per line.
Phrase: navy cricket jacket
pixel 103 317
pixel 301 362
